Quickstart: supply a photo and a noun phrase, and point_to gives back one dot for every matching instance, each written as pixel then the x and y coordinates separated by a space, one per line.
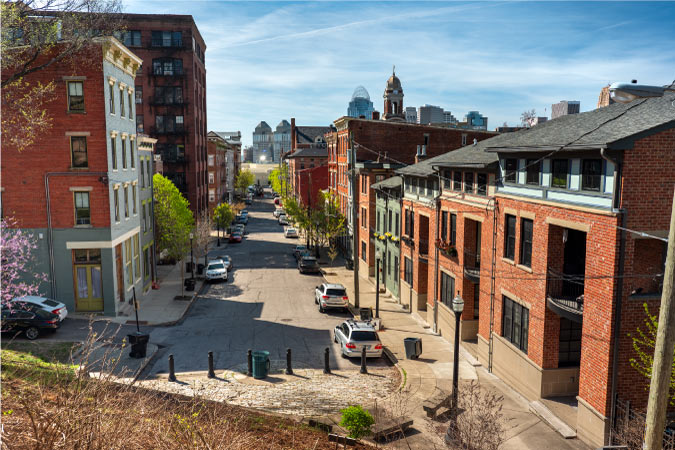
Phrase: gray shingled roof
pixel 310 152
pixel 468 156
pixel 307 135
pixel 613 126
pixel 388 183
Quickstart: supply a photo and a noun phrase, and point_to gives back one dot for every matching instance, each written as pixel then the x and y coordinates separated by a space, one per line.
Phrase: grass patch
pixel 32 362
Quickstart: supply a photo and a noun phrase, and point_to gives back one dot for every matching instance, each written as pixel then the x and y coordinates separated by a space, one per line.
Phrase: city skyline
pixel 276 60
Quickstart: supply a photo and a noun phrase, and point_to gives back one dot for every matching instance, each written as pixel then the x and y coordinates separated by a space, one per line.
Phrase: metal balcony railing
pixel 472 265
pixel 565 294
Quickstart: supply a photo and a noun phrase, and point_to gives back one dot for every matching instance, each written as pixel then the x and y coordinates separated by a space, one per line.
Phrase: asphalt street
pixel 266 305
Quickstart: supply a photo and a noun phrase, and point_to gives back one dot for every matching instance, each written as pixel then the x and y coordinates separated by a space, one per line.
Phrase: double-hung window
pixel 444 225
pixel 82 210
pixel 457 181
pixel 131 108
pixel 468 182
pixel 133 197
pixel 532 169
pixel 453 229
pixel 407 270
pixel 78 151
pixel 111 90
pixel 591 171
pixel 113 151
pixel 511 170
pixel 75 96
pixel 116 198
pixel 126 201
pixel 515 323
pixel 447 289
pixel 559 179
pixel 124 152
pixel 121 103
pixel 526 226
pixel 132 150
pixel 510 237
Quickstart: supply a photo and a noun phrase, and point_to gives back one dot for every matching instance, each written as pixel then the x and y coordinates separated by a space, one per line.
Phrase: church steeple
pixel 393 99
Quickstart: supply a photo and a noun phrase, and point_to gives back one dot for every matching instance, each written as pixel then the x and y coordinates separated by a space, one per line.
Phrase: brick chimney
pixel 292 134
pixel 376 115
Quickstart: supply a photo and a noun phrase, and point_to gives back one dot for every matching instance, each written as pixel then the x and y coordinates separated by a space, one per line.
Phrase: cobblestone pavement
pixel 308 392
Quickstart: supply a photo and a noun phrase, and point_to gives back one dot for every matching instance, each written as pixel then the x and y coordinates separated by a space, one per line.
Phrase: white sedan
pixel 48 304
pixel 291 232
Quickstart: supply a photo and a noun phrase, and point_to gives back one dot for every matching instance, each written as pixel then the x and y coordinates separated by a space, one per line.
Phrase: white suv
pixel 331 296
pixel 216 270
pixel 354 335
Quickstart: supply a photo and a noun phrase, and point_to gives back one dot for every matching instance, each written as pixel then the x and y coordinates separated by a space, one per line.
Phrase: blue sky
pixel 276 60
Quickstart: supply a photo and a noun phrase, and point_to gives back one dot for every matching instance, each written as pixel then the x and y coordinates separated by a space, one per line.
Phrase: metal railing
pixel 471 264
pixel 628 427
pixel 566 290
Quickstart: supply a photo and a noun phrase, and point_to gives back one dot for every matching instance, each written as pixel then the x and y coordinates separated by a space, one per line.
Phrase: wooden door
pixel 120 273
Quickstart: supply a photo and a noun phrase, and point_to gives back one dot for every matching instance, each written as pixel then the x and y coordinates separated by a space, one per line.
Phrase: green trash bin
pixel 261 364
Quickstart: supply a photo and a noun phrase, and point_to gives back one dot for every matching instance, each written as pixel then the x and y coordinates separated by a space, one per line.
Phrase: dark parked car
pixel 31 321
pixel 308 264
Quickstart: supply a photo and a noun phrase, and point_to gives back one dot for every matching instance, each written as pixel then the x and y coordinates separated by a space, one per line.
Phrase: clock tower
pixel 393 99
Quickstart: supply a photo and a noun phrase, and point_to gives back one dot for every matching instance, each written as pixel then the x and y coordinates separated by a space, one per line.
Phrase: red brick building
pixel 82 189
pixel 170 95
pixel 310 182
pixel 304 158
pixel 217 170
pixel 552 201
pixel 382 146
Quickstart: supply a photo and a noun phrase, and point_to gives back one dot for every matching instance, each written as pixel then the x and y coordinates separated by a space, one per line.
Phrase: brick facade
pixel 183 148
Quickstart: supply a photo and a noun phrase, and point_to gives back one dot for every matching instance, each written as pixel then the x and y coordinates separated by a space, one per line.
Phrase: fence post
pixel 289 368
pixel 212 373
pixel 172 371
pixel 249 358
pixel 326 361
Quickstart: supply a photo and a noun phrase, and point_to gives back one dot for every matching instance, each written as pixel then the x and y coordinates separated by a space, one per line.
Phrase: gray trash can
pixel 413 347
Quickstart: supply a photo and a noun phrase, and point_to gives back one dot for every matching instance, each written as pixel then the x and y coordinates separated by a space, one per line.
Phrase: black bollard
pixel 172 370
pixel 249 372
pixel 364 369
pixel 289 368
pixel 326 361
pixel 212 373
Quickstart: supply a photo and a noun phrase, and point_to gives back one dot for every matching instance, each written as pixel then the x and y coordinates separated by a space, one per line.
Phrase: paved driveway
pixel 266 305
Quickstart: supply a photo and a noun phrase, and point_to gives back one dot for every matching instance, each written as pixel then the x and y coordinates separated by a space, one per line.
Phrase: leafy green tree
pixel 223 216
pixel 643 344
pixel 357 421
pixel 244 179
pixel 173 221
pixel 278 179
pixel 330 223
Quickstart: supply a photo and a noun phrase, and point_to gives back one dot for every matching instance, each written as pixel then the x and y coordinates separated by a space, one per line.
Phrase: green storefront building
pixel 387 232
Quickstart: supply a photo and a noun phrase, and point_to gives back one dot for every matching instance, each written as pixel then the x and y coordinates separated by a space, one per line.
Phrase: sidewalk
pixel 433 370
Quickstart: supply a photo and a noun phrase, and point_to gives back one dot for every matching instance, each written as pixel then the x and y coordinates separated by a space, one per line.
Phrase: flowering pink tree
pixel 16 248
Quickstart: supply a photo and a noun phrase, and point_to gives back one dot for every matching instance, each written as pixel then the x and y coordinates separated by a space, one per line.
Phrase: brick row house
pixel 301 163
pixel 382 147
pixel 84 188
pixel 527 227
pixel 221 169
pixel 170 96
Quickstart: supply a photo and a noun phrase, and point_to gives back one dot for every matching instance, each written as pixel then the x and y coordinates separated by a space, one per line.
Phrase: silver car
pixel 225 259
pixel 354 335
pixel 330 295
pixel 216 270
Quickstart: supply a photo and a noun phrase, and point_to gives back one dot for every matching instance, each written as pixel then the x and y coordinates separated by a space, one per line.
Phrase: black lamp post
pixel 458 308
pixel 192 262
pixel 378 255
pixel 218 231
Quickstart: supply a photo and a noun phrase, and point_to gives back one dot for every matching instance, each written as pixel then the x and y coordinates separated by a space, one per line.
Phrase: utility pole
pixel 355 227
pixel 663 350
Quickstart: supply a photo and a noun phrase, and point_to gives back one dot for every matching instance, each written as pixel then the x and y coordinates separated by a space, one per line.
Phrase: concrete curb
pixel 146 362
pixel 552 420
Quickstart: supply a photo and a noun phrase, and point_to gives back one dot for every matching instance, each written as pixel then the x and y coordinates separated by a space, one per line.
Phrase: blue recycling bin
pixel 261 364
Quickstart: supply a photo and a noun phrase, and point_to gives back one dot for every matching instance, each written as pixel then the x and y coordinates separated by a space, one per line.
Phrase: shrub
pixel 357 421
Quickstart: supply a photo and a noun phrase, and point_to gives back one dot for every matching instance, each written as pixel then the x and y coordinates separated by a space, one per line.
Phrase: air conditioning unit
pixel 158 157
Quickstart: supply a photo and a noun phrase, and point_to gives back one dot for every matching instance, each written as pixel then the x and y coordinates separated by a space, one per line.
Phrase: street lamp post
pixel 378 255
pixel 192 262
pixel 218 225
